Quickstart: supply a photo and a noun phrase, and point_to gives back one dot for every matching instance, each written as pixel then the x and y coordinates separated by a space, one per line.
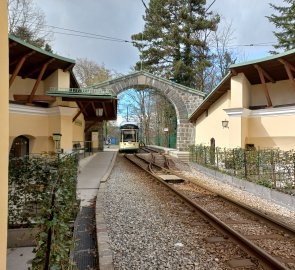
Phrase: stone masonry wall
pixel 184 100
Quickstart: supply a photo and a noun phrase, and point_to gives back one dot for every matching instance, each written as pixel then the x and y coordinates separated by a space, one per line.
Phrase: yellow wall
pixel 63 79
pixel 272 131
pixel 4 77
pixel 240 94
pixel 24 87
pixel 58 79
pixel 38 124
pixel 78 129
pixel 51 81
pixel 211 127
pixel 280 93
pixel 271 127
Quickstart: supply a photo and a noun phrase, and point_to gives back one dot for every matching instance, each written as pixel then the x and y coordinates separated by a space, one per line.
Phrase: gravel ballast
pixel 145 227
pixel 151 229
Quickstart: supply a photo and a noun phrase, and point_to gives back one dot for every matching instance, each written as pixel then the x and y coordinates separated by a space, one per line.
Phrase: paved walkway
pixel 93 170
pixel 92 173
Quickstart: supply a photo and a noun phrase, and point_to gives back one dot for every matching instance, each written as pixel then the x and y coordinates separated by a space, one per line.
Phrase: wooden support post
pixel 18 67
pixel 83 108
pixel 262 79
pixel 289 68
pixel 89 126
pixel 105 109
pixel 41 73
pixel 77 115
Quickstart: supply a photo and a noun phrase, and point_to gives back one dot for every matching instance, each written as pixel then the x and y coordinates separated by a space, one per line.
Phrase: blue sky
pixel 122 18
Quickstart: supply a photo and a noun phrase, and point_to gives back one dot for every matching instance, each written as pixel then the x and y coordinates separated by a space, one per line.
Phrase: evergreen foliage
pixel 173 43
pixel 284 22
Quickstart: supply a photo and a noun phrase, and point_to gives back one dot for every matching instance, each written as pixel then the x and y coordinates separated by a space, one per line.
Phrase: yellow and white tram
pixel 129 139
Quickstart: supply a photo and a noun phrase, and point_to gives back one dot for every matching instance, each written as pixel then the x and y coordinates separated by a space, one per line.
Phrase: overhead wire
pixel 83 34
pixel 86 34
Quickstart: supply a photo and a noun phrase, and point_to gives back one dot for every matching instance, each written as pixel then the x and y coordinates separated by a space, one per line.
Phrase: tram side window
pixel 129 136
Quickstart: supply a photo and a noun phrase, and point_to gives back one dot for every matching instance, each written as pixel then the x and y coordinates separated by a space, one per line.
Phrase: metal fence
pixel 272 168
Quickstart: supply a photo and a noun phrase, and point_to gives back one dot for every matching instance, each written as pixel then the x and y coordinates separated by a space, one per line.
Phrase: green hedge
pixel 42 193
pixel 272 168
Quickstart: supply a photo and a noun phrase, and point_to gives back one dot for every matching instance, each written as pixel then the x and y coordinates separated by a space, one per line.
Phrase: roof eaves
pixel 213 92
pixel 79 95
pixel 24 43
pixel 264 59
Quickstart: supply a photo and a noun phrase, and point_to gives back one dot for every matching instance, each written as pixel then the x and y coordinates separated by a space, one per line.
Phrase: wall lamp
pixel 224 123
pixel 99 112
pixel 56 138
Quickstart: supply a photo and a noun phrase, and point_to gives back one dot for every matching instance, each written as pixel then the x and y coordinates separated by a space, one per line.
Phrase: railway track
pixel 270 243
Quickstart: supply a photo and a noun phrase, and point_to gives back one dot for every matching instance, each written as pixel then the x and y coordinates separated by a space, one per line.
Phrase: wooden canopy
pixel 89 103
pixel 262 71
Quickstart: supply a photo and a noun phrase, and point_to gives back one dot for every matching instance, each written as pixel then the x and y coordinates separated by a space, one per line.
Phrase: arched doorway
pixel 184 99
pixel 20 147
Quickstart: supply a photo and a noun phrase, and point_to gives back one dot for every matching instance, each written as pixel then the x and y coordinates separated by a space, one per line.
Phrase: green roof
pixel 264 59
pixel 24 43
pixel 78 93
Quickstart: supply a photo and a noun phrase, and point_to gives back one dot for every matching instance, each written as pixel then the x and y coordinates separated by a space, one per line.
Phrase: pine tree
pixel 285 22
pixel 173 42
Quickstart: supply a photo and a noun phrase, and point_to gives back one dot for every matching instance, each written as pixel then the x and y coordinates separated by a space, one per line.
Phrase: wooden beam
pixel 105 109
pixel 37 68
pixel 76 98
pixel 18 67
pixel 89 126
pixel 11 63
pixel 41 73
pixel 266 75
pixel 93 107
pixel 35 98
pixel 286 63
pixel 68 68
pixel 115 107
pixel 77 115
pixel 83 108
pixel 289 68
pixel 234 72
pixel 12 44
pixel 262 79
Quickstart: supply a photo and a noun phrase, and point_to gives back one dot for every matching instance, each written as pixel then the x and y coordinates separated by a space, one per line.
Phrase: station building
pixel 46 103
pixel 252 107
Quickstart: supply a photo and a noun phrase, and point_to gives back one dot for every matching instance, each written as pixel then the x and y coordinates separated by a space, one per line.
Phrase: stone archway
pixel 184 99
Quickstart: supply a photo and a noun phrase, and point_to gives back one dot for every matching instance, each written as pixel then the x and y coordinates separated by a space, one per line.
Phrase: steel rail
pixel 264 257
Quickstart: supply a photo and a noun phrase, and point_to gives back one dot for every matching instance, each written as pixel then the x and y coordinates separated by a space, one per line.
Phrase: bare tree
pixel 222 56
pixel 152 111
pixel 27 22
pixel 88 72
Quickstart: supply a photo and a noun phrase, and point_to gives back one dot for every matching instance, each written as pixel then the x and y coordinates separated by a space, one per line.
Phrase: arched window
pixel 20 147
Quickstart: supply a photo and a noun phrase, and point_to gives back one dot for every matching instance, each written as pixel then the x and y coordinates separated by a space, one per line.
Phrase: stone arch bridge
pixel 184 99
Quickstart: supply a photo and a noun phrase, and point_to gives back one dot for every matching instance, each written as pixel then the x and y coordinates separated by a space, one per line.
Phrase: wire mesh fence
pixel 272 168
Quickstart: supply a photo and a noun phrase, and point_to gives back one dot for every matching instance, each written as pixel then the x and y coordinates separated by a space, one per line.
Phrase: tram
pixel 129 137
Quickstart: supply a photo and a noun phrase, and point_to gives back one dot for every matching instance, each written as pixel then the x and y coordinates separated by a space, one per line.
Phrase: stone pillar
pixel 185 137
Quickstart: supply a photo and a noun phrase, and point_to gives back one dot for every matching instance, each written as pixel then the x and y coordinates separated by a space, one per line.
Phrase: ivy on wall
pixel 42 193
pixel 271 168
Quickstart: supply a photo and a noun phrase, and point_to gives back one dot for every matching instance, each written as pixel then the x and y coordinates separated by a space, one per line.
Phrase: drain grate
pixel 85 253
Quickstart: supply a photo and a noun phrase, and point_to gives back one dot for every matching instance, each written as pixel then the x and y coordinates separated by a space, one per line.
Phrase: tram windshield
pixel 129 135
